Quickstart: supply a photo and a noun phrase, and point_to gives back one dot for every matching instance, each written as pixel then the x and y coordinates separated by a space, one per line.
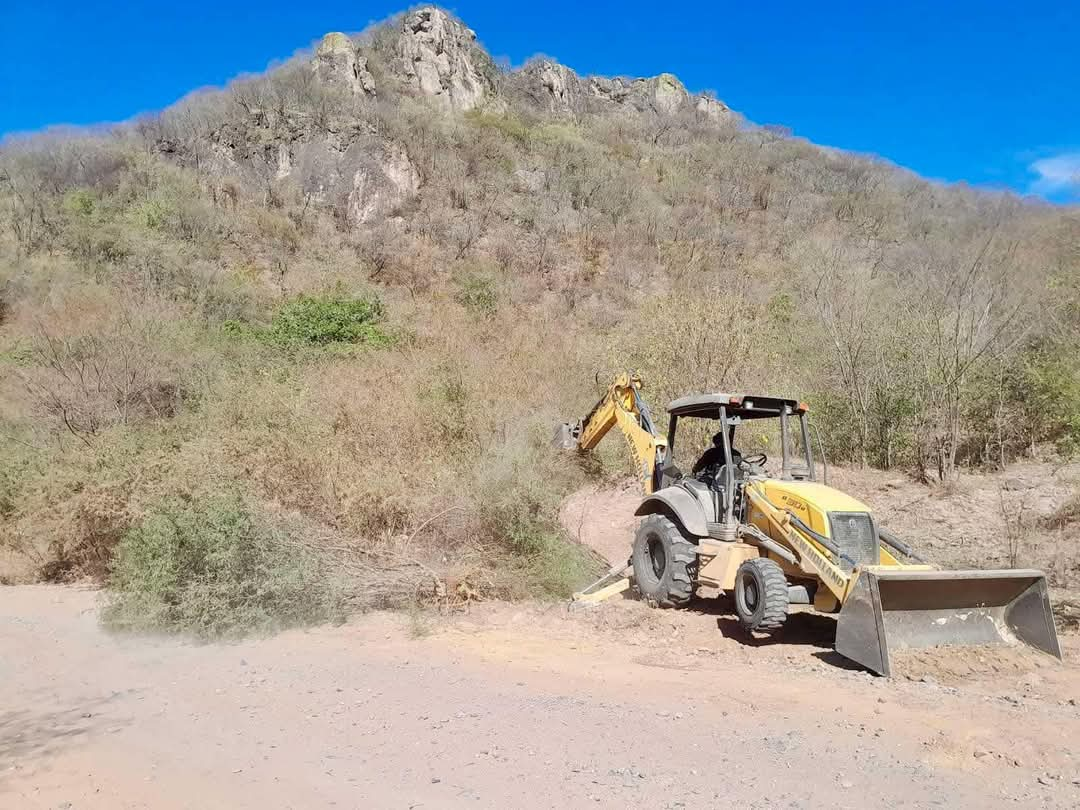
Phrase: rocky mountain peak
pixel 434 54
pixel 551 85
pixel 342 160
pixel 440 58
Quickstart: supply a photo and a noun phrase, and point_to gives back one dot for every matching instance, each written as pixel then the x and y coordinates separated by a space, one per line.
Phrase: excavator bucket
pixel 566 436
pixel 890 611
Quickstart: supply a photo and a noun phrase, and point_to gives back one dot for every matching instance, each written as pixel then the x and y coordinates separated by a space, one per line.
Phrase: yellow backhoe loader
pixel 777 540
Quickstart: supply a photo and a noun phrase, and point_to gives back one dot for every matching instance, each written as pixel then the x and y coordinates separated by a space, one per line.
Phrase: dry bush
pixel 1065 515
pixel 375 451
pixel 68 507
pixel 84 547
pixel 82 380
pixel 35 174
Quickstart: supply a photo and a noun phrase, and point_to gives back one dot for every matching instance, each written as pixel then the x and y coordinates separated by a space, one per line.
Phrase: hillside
pixel 324 319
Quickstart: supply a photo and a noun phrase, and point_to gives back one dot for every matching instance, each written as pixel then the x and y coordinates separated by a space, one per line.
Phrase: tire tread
pixel 775 595
pixel 676 588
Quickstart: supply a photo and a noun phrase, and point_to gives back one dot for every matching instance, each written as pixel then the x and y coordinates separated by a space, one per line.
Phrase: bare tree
pixel 973 315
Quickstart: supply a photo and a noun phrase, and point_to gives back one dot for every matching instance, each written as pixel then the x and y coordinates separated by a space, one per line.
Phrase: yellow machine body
pixel 889 606
pixel 827 545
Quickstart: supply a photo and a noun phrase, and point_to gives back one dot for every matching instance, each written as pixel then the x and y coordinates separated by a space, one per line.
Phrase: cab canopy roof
pixel 746 406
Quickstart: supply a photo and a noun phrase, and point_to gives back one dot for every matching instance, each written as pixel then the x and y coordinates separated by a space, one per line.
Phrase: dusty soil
pixel 602 517
pixel 540 706
pixel 510 707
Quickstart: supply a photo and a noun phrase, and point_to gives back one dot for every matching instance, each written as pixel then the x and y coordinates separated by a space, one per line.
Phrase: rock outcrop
pixel 666 94
pixel 557 89
pixel 663 94
pixel 363 180
pixel 440 58
pixel 551 86
pixel 378 188
pixel 711 108
pixel 436 55
pixel 338 62
pixel 342 160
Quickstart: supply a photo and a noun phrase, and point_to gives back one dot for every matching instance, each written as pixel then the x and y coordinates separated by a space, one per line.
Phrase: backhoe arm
pixel 621 406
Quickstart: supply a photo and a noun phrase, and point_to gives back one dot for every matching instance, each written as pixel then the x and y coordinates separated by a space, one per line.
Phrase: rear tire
pixel 761 595
pixel 665 562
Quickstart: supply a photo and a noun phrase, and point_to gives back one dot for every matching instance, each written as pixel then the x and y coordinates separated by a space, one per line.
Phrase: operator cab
pixel 721 467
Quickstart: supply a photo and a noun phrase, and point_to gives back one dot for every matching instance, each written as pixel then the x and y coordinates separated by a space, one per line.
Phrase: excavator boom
pixel 620 406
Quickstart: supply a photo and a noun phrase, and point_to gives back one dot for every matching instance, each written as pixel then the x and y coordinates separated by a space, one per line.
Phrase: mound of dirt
pixel 602 517
pixel 957 664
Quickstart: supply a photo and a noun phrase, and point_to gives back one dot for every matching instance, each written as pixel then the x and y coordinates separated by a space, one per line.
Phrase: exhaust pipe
pixel 891 611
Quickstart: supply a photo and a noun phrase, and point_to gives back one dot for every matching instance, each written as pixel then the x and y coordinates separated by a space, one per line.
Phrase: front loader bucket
pixel 891 611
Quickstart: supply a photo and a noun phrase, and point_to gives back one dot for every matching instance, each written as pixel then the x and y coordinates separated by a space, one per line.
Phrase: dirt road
pixel 507 707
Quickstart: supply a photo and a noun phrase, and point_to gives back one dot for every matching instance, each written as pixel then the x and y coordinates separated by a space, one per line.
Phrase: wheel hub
pixel 657 557
pixel 750 593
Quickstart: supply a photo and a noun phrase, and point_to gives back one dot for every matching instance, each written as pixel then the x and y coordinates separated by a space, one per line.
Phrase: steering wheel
pixel 755 459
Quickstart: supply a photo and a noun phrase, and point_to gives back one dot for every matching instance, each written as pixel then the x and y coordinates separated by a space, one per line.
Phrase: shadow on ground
pixel 37 731
pixel 800 629
pixel 803 628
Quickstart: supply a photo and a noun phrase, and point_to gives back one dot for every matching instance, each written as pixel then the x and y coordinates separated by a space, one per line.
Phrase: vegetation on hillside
pixel 214 571
pixel 174 325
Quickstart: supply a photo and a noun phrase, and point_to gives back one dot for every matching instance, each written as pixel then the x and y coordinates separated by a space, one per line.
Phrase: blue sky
pixel 983 92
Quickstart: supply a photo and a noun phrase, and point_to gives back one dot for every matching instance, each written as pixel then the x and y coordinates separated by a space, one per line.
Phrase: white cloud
pixel 1057 175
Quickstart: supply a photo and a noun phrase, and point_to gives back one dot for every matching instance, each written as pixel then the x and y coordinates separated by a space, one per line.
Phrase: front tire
pixel 761 595
pixel 665 562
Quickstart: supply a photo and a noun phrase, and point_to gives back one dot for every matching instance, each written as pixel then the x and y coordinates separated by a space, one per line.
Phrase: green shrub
pixel 521 495
pixel 79 202
pixel 19 353
pixel 20 465
pixel 214 570
pixel 1052 395
pixel 450 412
pixel 153 214
pixel 478 294
pixel 549 564
pixel 320 321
